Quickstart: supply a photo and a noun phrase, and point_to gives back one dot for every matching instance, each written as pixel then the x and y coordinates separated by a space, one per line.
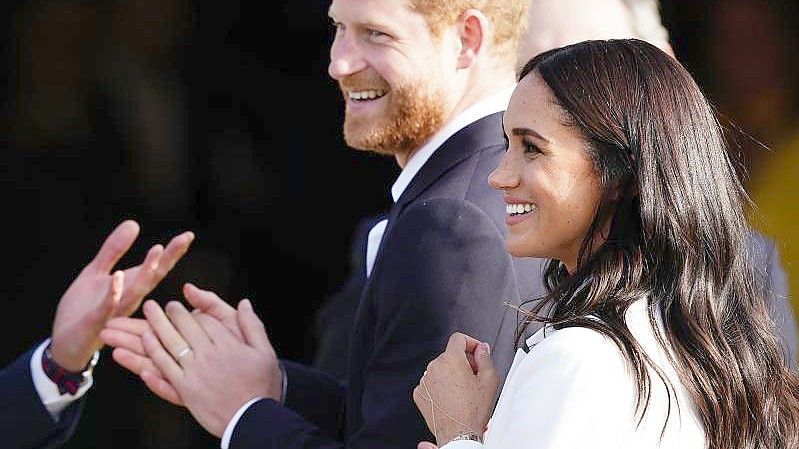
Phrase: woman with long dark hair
pixel 657 332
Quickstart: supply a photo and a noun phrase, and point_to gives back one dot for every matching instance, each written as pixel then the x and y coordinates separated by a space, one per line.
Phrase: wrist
pixel 277 385
pixel 467 435
pixel 457 433
pixel 70 359
pixel 68 380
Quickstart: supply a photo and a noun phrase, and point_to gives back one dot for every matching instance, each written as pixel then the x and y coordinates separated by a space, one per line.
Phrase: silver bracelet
pixel 469 436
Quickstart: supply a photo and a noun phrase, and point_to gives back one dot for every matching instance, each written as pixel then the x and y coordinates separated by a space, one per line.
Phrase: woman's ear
pixel 619 188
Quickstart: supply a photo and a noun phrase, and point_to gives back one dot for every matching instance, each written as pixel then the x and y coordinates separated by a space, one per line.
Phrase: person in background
pixel 657 332
pixel 41 393
pixel 552 24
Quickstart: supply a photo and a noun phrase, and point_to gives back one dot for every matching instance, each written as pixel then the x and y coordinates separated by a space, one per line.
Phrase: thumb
pixel 482 359
pixel 114 294
pixel 207 302
pixel 426 445
pixel 252 327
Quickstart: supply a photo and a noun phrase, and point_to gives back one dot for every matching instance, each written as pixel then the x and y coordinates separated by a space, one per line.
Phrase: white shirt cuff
pixel 228 434
pixel 284 387
pixel 53 400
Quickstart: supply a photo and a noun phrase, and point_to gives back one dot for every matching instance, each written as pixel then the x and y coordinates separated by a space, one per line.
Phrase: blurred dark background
pixel 219 117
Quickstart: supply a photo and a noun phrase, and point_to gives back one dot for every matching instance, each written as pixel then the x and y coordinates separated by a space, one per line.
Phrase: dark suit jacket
pixel 335 315
pixel 24 421
pixel 441 267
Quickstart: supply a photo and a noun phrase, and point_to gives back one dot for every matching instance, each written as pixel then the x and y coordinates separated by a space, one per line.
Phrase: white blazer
pixel 573 390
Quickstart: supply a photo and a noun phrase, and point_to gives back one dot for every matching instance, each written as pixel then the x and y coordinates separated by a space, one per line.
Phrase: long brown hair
pixel 678 237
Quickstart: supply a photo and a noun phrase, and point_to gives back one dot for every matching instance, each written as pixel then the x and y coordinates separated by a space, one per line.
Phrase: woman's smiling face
pixel 550 185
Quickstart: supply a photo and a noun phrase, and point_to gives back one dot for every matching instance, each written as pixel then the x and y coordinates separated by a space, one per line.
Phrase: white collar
pixel 539 336
pixel 490 105
pixel 636 317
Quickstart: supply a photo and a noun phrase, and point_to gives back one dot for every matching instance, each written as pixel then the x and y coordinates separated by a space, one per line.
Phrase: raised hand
pixel 97 295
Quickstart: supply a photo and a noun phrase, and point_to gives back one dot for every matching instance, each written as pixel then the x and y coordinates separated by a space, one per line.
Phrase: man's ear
pixel 473 29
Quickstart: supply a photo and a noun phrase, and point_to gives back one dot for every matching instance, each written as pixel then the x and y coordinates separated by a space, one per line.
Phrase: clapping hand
pixel 124 334
pixel 190 358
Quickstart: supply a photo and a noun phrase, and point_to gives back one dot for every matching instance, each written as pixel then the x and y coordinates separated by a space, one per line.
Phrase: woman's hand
pixel 457 391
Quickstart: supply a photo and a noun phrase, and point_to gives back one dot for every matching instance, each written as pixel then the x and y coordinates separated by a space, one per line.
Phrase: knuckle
pixel 417 395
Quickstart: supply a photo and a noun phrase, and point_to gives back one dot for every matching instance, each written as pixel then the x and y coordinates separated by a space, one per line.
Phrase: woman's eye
pixel 530 148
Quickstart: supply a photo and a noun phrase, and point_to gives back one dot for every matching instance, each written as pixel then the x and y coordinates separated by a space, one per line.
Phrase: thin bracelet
pixel 461 436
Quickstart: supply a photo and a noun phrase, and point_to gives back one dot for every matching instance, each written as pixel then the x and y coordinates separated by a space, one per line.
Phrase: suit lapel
pixel 461 145
pixel 469 140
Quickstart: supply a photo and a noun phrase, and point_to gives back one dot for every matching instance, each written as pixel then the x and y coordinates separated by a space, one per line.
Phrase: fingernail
pixel 486 348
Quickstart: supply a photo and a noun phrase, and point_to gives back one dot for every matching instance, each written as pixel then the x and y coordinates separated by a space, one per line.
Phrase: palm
pixel 97 295
pixel 82 311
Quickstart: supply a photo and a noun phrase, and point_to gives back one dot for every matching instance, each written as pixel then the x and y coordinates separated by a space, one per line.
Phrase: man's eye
pixel 375 34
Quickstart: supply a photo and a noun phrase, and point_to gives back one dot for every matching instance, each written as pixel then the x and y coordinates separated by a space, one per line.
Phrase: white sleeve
pixel 571 391
pixel 228 434
pixel 53 400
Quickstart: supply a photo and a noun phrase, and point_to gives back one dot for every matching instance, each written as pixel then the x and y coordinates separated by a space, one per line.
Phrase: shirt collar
pixel 490 105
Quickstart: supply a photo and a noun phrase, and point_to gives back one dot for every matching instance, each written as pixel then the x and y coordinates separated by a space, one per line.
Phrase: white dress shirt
pixel 574 390
pixel 53 400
